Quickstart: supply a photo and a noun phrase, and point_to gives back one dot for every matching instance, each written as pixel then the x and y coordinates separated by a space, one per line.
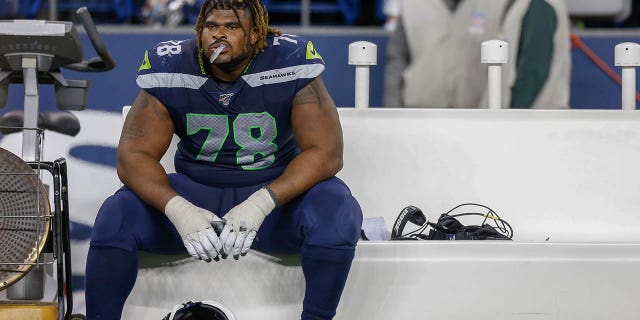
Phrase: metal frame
pixel 61 241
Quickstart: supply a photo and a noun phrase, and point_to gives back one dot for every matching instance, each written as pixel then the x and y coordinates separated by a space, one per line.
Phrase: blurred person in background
pixel 391 9
pixel 433 57
pixel 152 12
pixel 169 13
pixel 9 9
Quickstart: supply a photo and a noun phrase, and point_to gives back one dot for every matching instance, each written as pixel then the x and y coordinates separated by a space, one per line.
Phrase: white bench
pixel 566 180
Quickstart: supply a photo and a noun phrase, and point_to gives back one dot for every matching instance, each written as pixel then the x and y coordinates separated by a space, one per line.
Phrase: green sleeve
pixel 534 54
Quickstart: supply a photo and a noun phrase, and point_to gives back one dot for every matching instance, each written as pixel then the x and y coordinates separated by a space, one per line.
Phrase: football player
pixel 260 144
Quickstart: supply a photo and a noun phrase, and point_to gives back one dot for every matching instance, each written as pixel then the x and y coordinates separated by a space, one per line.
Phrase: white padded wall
pixel 566 175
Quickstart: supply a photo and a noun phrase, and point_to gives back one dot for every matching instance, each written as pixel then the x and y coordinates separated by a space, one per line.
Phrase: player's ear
pixel 253 36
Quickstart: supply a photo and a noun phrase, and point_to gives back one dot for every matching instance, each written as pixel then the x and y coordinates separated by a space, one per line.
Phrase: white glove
pixel 196 228
pixel 243 222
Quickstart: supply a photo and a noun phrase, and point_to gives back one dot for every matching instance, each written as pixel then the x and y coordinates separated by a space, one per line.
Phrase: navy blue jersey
pixel 231 133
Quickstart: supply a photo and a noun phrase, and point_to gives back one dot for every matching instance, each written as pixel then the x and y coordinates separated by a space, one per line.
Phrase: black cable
pixel 419 230
pixel 500 224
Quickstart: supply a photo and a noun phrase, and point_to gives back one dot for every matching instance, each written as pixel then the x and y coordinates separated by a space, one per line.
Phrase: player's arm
pixel 145 137
pixel 317 130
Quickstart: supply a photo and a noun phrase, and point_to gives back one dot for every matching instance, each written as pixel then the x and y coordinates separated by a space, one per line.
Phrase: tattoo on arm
pixel 131 132
pixel 135 132
pixel 309 95
pixel 144 101
pixel 157 110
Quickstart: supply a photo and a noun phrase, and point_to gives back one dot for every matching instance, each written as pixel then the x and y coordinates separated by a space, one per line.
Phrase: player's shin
pixel 111 274
pixel 325 272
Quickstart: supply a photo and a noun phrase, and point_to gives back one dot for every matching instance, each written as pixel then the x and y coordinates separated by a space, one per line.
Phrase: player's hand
pixel 243 222
pixel 197 228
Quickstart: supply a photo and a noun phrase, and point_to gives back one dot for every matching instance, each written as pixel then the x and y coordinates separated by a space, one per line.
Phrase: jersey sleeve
pixel 311 62
pixel 287 60
pixel 155 74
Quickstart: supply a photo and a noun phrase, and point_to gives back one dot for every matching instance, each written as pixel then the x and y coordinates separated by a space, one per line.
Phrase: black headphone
pixel 408 214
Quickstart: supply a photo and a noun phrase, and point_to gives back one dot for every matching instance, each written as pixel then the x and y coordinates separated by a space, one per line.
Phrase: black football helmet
pixel 200 310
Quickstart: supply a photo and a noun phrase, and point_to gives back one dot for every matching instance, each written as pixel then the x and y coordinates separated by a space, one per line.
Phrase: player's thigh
pixel 127 222
pixel 326 215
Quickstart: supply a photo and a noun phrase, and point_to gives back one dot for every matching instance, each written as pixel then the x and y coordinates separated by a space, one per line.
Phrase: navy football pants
pixel 323 225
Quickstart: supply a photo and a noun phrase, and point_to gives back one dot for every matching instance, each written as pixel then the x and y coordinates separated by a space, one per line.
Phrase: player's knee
pixel 112 225
pixel 338 215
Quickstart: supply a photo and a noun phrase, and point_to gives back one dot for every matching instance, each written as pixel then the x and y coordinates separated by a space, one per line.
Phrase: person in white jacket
pixel 391 10
pixel 433 57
